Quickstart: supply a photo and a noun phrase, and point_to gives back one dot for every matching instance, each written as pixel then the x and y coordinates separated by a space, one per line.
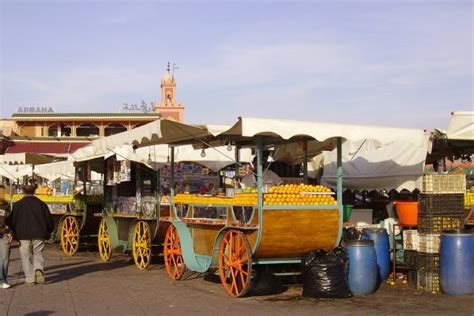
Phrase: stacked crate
pixel 441 208
pixel 410 255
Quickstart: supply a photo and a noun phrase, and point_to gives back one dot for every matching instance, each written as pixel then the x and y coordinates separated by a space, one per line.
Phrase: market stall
pixel 137 189
pixel 266 225
pixel 68 207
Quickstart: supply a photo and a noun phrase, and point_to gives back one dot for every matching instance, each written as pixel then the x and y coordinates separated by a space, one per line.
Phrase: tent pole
pixel 339 187
pixel 172 175
pixel 305 163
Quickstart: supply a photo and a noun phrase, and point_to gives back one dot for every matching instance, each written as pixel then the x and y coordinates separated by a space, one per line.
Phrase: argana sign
pixel 35 109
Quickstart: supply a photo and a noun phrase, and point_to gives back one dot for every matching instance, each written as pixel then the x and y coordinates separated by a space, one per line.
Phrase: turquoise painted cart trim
pixel 259 193
pixel 194 262
pixel 339 191
pixel 277 261
pixel 112 231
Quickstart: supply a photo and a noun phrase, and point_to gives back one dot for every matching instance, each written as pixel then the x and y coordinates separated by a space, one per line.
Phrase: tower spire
pixel 168 67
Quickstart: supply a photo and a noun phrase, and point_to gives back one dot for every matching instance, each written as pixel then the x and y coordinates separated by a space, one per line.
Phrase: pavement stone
pixel 84 285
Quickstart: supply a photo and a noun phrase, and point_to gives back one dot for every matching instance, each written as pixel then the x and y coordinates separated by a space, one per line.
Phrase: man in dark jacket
pixel 32 224
pixel 5 239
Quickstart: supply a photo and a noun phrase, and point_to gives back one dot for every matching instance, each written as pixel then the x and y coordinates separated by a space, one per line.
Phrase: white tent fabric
pixel 157 132
pixel 56 170
pixel 14 172
pixel 215 159
pixel 287 129
pixel 367 165
pixel 461 126
pixel 25 158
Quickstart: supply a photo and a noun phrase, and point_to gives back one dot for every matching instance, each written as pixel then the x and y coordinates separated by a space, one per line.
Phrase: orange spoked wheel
pixel 105 247
pixel 70 236
pixel 173 254
pixel 141 247
pixel 235 263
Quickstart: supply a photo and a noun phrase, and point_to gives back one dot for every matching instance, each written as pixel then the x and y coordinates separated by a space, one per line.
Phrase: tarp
pixel 368 165
pixel 461 126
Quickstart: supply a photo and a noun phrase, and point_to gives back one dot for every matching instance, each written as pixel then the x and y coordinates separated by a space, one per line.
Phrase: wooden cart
pixel 73 219
pixel 235 238
pixel 135 231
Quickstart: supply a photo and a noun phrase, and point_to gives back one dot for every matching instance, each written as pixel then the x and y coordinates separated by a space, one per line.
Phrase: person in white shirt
pixel 269 177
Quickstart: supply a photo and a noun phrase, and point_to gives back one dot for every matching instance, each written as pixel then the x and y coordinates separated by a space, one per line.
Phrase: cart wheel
pixel 235 264
pixel 70 236
pixel 174 261
pixel 141 246
pixel 105 248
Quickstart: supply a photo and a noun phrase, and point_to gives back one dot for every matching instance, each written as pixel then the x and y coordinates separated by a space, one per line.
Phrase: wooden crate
pixel 444 183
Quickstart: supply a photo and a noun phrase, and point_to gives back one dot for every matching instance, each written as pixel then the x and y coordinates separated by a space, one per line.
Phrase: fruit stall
pixel 137 187
pixel 239 232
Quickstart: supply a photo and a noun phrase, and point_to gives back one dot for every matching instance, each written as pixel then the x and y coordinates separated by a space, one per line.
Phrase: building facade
pixel 62 133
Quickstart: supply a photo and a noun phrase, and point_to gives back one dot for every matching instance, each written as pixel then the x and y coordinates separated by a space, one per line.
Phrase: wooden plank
pixel 293 233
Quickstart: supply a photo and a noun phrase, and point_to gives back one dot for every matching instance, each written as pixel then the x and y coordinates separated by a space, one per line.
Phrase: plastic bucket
pixel 347 211
pixel 407 213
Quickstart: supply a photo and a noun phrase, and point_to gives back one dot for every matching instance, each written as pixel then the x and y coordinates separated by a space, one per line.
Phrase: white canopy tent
pixel 461 126
pixel 14 172
pixel 55 170
pixel 156 156
pixel 366 165
pixel 157 132
pixel 25 158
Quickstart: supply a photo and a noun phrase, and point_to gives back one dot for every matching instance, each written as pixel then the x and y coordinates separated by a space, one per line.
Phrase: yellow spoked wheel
pixel 173 254
pixel 141 247
pixel 105 247
pixel 70 236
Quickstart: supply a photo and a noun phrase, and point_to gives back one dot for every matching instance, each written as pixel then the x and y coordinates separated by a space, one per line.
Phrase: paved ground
pixel 83 285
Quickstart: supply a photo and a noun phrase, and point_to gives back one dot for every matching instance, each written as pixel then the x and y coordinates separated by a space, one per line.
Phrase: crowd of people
pixel 30 223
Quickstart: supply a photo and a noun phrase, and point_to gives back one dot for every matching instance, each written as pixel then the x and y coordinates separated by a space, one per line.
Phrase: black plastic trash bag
pixel 324 275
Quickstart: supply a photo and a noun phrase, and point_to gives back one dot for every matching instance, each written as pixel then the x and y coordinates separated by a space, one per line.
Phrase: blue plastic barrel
pixel 363 268
pixel 382 249
pixel 456 263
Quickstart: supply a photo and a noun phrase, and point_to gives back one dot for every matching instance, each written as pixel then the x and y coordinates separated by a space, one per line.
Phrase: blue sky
pixel 398 63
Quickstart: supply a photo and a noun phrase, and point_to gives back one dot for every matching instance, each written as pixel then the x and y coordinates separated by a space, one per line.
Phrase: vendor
pixel 269 177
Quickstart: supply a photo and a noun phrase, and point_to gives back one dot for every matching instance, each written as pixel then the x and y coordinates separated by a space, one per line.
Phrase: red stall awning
pixel 51 148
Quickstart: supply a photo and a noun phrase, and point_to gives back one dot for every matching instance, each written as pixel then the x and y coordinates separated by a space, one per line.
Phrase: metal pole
pixel 339 186
pixel 260 174
pixel 172 176
pixel 305 163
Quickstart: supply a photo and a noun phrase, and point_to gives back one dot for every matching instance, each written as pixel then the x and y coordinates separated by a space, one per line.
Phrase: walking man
pixel 5 239
pixel 32 224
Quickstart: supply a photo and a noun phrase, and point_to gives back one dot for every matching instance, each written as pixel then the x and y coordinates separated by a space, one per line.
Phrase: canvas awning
pixel 154 133
pixel 14 172
pixel 25 158
pixel 366 165
pixel 156 156
pixel 461 126
pixel 52 171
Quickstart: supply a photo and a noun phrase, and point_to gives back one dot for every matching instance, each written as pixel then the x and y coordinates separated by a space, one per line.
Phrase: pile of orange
pixel 299 194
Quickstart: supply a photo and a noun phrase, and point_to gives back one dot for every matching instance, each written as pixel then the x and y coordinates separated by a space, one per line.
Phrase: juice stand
pixel 235 234
pixel 137 190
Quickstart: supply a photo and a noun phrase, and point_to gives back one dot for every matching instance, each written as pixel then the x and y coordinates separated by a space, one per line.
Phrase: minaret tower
pixel 168 107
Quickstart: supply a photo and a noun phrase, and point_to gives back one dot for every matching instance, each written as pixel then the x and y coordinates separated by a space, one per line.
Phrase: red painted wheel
pixel 235 263
pixel 173 254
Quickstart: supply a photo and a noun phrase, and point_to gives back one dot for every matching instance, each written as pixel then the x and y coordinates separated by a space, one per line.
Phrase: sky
pixel 396 63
